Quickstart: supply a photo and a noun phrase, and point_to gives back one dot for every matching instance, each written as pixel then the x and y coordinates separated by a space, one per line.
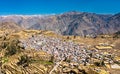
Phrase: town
pixel 69 52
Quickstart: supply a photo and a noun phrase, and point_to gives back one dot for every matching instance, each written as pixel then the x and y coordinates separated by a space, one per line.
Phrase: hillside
pixel 41 52
pixel 69 23
pixel 8 28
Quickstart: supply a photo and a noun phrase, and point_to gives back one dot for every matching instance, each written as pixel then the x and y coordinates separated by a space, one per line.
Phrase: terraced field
pixel 16 59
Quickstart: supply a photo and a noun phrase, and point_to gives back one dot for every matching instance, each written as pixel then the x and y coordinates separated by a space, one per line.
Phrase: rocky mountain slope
pixel 70 23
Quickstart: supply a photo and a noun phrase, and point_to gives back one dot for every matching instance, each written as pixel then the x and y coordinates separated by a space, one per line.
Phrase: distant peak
pixel 73 12
pixel 33 15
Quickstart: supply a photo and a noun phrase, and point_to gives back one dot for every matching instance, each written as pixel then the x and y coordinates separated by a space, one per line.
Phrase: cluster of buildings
pixel 63 50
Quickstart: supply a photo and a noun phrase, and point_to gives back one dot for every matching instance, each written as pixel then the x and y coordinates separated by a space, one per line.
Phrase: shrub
pixel 11 50
pixel 96 63
pixel 24 60
pixel 52 59
pixel 99 64
pixel 4 45
pixel 12 47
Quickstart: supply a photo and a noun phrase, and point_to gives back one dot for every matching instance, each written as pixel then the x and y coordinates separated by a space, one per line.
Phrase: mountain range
pixel 69 23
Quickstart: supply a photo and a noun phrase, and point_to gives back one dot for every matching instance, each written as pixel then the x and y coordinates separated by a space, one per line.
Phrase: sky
pixel 30 7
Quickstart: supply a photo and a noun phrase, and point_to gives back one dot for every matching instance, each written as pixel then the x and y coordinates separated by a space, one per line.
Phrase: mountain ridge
pixel 69 23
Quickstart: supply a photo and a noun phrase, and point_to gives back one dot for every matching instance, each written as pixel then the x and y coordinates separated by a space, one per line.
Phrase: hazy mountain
pixel 70 23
